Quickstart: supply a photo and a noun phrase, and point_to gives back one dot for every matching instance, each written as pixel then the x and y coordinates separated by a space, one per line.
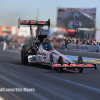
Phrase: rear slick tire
pixel 24 54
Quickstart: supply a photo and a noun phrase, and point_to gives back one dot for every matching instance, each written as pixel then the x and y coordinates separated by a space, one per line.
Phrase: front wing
pixel 76 66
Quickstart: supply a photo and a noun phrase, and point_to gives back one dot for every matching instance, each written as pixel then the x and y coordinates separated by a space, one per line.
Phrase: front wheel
pixel 60 61
pixel 51 61
pixel 80 61
pixel 80 70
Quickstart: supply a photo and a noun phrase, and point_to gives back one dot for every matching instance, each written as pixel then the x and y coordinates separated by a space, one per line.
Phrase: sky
pixel 11 10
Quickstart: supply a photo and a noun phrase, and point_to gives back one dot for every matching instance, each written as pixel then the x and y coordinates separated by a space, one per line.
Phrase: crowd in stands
pixel 17 42
pixel 83 41
pixel 57 42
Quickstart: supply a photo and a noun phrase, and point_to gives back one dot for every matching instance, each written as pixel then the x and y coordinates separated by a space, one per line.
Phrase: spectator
pixel 66 42
pixel 8 40
pixel 97 43
pixel 77 40
pixel 84 40
pixel 1 38
pixel 87 43
pixel 94 41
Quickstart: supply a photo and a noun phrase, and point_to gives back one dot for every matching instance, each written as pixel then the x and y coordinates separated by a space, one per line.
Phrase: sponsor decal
pixel 33 58
pixel 85 47
pixel 5 30
pixel 73 65
pixel 33 22
pixel 77 47
pixel 80 47
pixel 42 55
pixel 74 47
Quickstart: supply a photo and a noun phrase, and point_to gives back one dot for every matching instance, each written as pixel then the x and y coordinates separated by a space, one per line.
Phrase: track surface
pixel 80 53
pixel 48 84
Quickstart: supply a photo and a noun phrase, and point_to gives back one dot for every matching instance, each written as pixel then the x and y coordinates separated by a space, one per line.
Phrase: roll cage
pixel 39 34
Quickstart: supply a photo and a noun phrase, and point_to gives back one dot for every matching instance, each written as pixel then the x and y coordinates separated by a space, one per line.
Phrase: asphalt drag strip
pixel 47 84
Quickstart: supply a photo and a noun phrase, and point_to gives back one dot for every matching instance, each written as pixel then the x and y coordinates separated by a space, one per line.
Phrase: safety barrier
pixel 88 48
pixel 3 46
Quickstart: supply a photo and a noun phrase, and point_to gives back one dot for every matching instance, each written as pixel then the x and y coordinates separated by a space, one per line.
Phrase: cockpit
pixel 47 46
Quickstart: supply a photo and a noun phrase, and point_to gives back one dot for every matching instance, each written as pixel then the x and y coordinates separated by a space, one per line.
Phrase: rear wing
pixel 34 22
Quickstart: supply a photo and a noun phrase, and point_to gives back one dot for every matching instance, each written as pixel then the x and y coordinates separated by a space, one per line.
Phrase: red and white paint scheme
pixel 44 53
